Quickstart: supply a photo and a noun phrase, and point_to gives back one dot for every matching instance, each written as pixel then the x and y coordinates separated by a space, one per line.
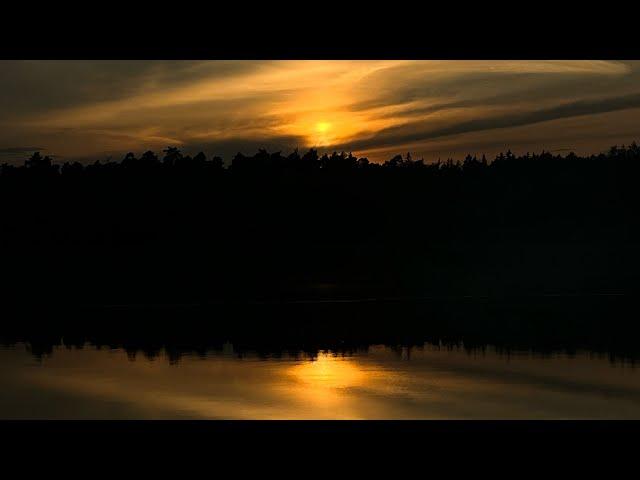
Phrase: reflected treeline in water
pixel 542 325
pixel 182 229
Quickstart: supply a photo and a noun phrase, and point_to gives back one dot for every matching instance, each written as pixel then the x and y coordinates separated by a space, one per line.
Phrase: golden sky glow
pixel 82 109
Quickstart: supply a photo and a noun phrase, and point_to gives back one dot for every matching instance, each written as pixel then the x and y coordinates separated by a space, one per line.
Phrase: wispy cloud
pixel 415 131
pixel 18 152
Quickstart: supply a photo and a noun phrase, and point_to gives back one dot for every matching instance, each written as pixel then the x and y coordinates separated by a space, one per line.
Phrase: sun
pixel 323 133
pixel 323 127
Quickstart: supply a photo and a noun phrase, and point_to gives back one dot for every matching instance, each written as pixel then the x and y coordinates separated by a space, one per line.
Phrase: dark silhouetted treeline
pixel 603 325
pixel 177 229
pixel 182 252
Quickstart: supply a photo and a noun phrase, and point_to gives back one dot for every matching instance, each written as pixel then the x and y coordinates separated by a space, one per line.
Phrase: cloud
pixel 33 87
pixel 18 153
pixel 19 150
pixel 415 131
pixel 470 79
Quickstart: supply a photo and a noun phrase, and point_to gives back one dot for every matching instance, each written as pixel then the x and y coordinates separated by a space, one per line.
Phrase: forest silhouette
pixel 185 229
pixel 181 231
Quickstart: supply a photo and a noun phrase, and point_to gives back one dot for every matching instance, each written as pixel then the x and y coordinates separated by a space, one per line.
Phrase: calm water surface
pixel 380 383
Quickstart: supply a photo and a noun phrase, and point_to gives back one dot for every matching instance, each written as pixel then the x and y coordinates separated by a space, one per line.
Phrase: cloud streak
pixel 413 132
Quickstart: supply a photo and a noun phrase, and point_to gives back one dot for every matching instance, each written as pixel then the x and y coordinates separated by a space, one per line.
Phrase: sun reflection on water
pixel 324 383
pixel 329 371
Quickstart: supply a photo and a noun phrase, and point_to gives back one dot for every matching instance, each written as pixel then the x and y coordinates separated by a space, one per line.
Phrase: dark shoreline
pixel 543 325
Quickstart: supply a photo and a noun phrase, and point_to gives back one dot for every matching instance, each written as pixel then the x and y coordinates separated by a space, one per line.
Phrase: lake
pixel 375 382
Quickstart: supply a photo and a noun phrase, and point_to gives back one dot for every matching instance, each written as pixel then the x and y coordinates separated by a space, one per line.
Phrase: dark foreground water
pixel 377 382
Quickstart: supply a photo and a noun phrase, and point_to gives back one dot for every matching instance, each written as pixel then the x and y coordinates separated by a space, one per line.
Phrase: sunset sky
pixel 91 110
